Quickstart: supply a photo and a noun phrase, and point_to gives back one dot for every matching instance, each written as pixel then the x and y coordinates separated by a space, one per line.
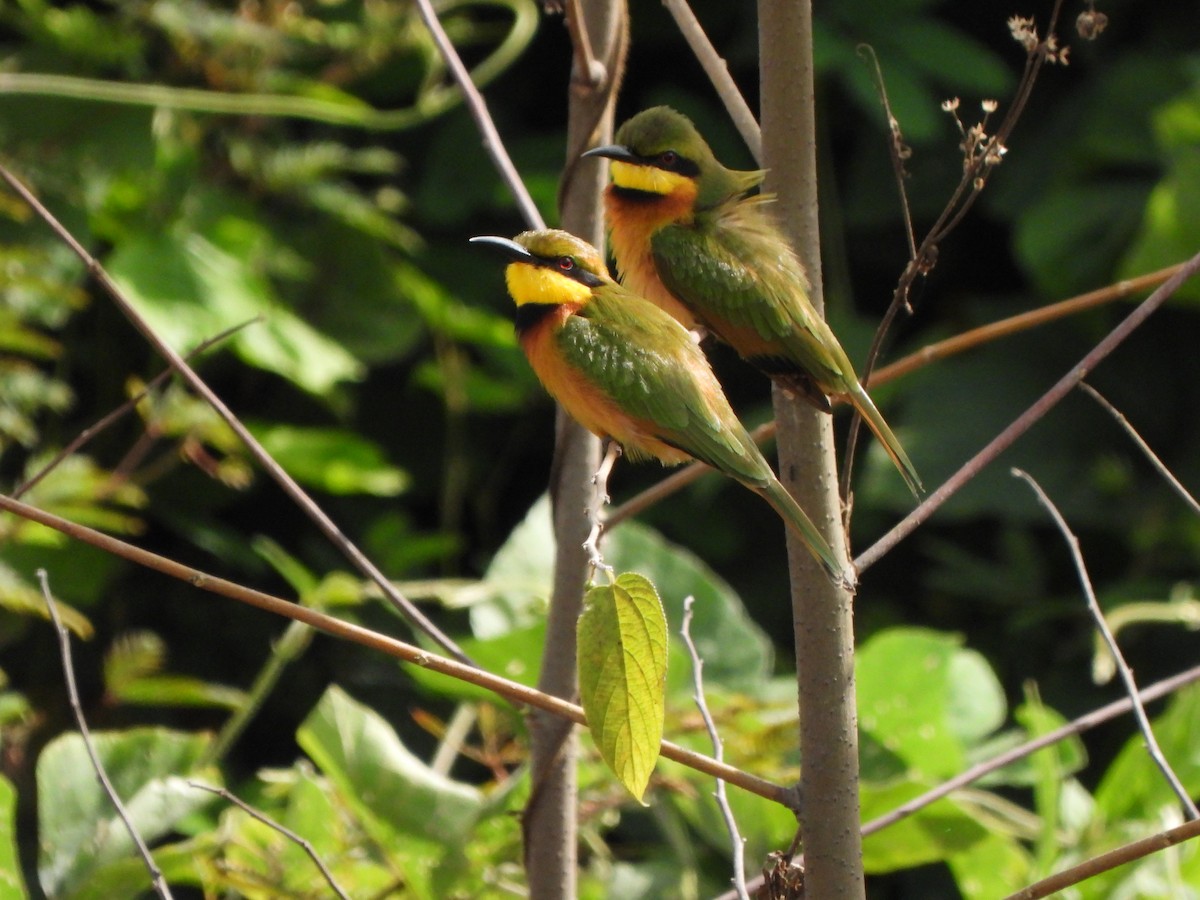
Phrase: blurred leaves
pixel 81 833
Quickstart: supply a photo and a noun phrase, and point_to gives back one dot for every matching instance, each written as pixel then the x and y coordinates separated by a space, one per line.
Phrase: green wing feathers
pixel 741 279
pixel 649 365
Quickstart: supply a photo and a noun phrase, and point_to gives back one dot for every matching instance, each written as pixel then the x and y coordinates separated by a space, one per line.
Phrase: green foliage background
pixel 382 372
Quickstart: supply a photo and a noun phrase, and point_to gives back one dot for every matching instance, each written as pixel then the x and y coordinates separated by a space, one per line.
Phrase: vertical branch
pixel 822 613
pixel 600 36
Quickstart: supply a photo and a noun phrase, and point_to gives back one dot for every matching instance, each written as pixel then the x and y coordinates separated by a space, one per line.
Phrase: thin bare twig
pixel 1110 860
pixel 737 842
pixel 124 409
pixel 595 512
pixel 982 154
pixel 290 486
pixel 1077 726
pixel 1021 322
pixel 1144 447
pixel 586 69
pixel 897 149
pixel 718 73
pixel 1093 605
pixel 483 120
pixel 339 628
pixel 64 647
pixel 1026 420
pixel 296 839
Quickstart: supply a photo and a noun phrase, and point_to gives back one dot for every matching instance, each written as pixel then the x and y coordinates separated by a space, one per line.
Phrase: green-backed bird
pixel 687 235
pixel 629 372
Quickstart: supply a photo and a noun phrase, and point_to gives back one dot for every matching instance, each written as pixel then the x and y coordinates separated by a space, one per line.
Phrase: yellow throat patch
pixel 537 284
pixel 649 179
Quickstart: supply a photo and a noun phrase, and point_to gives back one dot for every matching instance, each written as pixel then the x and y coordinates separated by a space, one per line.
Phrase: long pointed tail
pixel 795 517
pixel 866 407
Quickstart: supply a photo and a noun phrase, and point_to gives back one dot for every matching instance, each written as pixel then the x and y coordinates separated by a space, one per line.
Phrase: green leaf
pixel 736 653
pixel 331 459
pixel 378 777
pixel 12 886
pixel 79 831
pixel 189 289
pixel 131 656
pixel 920 697
pixel 622 638
pixel 20 597
pixel 996 864
pixel 515 654
pixel 179 690
pixel 935 833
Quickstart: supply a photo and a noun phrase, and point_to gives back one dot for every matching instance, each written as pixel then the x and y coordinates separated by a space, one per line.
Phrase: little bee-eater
pixel 627 371
pixel 687 236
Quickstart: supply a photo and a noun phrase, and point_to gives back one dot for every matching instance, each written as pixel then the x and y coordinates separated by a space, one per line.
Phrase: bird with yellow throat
pixel 687 234
pixel 629 372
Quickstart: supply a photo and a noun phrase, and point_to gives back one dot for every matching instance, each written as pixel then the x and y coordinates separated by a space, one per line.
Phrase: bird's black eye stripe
pixel 672 161
pixel 568 266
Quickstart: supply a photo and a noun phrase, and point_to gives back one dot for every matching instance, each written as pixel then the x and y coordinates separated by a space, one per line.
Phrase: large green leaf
pixel 79 831
pixel 935 833
pixel 735 651
pixel 189 289
pixel 925 699
pixel 622 675
pixel 332 460
pixel 381 779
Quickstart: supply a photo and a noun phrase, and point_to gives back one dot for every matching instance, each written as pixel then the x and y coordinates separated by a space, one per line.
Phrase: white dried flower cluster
pixel 1024 32
pixel 981 151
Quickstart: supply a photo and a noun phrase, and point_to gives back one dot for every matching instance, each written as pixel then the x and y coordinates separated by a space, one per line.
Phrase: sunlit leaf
pixel 332 460
pixel 381 778
pixel 912 703
pixel 79 831
pixel 622 637
pixel 189 289
pixel 20 597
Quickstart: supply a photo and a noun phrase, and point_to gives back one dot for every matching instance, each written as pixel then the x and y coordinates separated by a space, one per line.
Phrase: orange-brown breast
pixel 582 400
pixel 631 224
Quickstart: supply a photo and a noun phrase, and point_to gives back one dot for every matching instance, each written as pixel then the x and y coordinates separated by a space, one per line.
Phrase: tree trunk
pixel 822 614
pixel 550 818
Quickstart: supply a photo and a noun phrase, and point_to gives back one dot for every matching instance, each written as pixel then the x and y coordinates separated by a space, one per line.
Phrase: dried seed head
pixel 1024 32
pixel 1090 23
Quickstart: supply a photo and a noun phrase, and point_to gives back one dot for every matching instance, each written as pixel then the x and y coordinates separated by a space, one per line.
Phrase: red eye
pixel 669 158
pixel 566 263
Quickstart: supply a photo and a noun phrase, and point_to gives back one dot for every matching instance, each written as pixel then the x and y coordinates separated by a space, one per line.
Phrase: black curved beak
pixel 614 151
pixel 509 248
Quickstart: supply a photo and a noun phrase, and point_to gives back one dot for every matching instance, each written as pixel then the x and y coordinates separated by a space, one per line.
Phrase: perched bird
pixel 627 371
pixel 686 235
